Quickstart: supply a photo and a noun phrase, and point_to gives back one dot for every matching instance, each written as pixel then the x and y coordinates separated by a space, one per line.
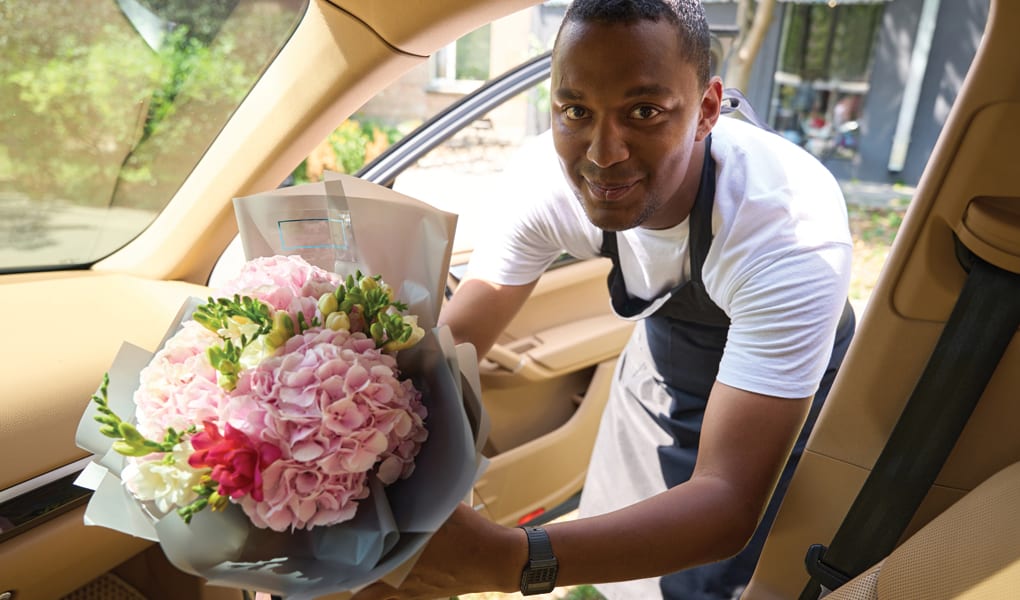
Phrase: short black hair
pixel 688 16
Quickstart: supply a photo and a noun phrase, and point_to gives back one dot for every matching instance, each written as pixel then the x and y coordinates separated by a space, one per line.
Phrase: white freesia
pixel 255 352
pixel 417 333
pixel 237 327
pixel 168 481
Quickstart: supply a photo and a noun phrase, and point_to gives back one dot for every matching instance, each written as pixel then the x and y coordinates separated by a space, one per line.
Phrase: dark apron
pixel 686 337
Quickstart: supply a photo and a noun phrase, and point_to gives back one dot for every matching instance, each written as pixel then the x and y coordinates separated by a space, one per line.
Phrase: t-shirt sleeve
pixel 780 267
pixel 783 323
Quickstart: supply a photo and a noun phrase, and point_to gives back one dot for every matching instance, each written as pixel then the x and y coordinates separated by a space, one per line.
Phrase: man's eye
pixel 574 112
pixel 644 112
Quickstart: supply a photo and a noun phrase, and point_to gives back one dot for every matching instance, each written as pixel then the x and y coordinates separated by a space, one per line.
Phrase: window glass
pixel 473 55
pixel 107 105
pixel 822 75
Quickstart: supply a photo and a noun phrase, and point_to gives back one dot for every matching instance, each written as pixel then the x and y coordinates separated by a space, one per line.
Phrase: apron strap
pixel 701 215
pixel 733 100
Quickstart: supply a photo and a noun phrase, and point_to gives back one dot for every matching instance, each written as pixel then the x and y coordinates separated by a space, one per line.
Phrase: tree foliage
pixel 92 114
pixel 754 17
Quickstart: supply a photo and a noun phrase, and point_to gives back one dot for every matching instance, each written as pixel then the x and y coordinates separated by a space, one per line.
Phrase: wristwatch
pixel 539 574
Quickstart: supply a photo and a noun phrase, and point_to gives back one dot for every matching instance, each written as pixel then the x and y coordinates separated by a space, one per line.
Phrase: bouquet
pixel 281 395
pixel 300 431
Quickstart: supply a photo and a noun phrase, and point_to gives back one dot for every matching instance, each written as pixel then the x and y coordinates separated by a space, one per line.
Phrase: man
pixel 730 245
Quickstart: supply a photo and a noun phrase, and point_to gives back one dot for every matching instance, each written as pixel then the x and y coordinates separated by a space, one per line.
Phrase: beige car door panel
pixel 567 324
pixel 544 385
pixel 970 190
pixel 548 469
pixel 50 379
pixel 97 313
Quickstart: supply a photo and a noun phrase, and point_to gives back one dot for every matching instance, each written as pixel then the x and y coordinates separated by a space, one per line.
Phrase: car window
pixel 107 105
pixel 449 175
pixel 437 86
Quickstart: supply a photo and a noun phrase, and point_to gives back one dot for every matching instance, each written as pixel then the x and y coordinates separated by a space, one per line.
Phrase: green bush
pixel 347 149
pixel 583 592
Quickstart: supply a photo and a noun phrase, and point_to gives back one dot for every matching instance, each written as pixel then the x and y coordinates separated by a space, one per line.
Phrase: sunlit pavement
pixel 876 194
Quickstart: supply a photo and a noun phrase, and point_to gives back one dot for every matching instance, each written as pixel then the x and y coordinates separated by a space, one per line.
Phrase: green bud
pixel 377 332
pixel 328 304
pixel 186 512
pixel 106 418
pixel 130 433
pixel 338 321
pixel 368 284
pixel 282 330
pixel 129 449
pixel 217 502
pixel 227 380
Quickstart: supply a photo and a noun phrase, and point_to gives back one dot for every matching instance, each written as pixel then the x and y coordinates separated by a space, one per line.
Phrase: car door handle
pixel 506 358
pixel 561 349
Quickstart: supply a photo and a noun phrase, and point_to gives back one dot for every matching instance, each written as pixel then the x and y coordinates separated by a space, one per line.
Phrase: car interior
pixel 917 441
pixel 909 486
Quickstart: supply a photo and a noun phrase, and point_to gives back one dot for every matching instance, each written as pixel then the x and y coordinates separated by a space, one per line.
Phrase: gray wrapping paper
pixel 408 243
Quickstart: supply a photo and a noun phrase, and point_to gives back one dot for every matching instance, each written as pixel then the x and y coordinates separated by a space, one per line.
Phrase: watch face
pixel 539 577
pixel 537 586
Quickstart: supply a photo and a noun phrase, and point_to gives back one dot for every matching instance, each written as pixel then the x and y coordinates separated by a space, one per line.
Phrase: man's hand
pixel 467 554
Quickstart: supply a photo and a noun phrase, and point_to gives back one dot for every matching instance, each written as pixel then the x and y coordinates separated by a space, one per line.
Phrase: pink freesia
pixel 237 463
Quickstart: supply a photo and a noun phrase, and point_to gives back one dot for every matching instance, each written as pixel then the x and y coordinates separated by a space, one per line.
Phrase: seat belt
pixel 979 329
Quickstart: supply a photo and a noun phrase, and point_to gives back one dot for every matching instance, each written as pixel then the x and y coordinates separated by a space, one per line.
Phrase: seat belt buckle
pixel 829 577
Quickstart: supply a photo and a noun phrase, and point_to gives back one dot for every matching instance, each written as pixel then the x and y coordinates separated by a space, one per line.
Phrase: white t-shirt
pixel 778 266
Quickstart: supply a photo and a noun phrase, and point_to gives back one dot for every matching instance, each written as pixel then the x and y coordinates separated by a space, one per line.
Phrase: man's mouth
pixel 609 191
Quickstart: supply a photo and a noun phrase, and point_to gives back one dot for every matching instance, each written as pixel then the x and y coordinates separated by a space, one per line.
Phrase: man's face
pixel 627 113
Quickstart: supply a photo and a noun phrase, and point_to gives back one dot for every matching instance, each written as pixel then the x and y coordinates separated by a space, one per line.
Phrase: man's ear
pixel 711 105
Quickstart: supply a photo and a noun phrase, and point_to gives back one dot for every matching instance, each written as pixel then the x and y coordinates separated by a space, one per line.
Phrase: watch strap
pixel 539 574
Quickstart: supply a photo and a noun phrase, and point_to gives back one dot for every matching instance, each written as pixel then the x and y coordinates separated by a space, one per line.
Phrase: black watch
pixel 539 575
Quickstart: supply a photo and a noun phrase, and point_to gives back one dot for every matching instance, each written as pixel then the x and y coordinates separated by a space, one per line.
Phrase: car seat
pixel 972 550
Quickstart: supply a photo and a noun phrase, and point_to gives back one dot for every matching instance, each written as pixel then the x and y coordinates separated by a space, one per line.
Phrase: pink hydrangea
pixel 287 283
pixel 300 496
pixel 335 406
pixel 178 387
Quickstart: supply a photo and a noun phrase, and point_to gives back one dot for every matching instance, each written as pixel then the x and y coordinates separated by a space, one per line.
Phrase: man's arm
pixel 746 440
pixel 479 311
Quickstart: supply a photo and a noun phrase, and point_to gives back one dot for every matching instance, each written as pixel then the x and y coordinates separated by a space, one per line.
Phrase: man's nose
pixel 607 146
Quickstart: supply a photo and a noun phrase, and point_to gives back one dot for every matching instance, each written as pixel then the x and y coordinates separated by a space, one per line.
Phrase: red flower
pixel 236 463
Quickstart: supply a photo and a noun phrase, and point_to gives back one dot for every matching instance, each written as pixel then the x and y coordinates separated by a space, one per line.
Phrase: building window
pixel 822 77
pixel 464 64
